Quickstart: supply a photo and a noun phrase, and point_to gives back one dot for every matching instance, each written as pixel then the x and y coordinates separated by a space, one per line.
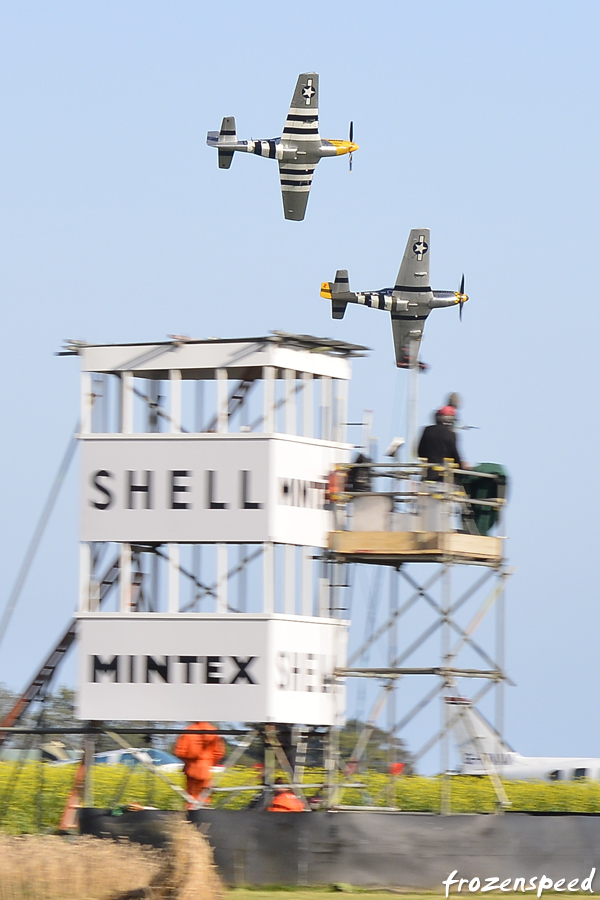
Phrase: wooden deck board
pixel 414 546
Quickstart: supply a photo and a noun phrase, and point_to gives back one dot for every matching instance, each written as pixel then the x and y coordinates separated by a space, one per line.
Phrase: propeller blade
pixel 462 297
pixel 351 139
pixel 351 132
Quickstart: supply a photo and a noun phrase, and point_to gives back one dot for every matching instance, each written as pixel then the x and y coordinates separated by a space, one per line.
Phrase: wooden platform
pixel 394 547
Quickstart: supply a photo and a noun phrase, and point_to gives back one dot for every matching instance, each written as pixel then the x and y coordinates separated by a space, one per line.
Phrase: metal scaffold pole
pixel 437 541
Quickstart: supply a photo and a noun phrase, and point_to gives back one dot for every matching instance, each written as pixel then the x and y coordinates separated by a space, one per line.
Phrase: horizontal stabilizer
pixel 338 308
pixel 227 136
pixel 227 133
pixel 225 141
pixel 342 282
pixel 225 157
pixel 336 292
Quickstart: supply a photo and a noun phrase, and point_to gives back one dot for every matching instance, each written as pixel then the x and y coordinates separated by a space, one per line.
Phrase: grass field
pixel 354 893
pixel 322 894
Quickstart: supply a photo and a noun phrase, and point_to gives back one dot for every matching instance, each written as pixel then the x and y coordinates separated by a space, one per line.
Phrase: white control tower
pixel 204 474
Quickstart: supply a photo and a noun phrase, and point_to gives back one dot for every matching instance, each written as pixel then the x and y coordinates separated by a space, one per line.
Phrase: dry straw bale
pixel 35 867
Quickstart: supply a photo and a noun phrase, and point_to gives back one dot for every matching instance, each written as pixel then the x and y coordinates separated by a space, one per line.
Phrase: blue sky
pixel 476 120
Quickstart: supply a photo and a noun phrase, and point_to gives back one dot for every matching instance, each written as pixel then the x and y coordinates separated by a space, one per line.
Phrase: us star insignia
pixel 420 248
pixel 308 91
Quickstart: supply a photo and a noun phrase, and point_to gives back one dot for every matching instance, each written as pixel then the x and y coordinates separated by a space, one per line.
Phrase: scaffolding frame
pixel 403 553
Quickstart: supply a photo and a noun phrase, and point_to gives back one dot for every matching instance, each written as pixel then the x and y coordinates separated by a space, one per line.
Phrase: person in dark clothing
pixel 438 443
pixel 360 478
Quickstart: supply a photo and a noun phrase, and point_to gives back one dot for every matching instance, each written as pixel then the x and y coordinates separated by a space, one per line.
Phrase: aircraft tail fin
pixel 478 742
pixel 331 291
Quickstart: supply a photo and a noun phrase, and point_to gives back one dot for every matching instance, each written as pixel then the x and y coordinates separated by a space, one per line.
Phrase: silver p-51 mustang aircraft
pixel 298 150
pixel 409 302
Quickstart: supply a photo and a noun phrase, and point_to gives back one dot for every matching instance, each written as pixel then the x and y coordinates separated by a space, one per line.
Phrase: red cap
pixel 448 411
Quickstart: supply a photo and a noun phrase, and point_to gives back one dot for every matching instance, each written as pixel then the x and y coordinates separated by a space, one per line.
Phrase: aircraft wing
pixel 302 123
pixel 413 275
pixel 407 331
pixel 412 282
pixel 302 139
pixel 296 179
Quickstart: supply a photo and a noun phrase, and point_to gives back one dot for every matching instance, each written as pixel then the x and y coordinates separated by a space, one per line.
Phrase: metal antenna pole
pixel 38 533
pixel 413 403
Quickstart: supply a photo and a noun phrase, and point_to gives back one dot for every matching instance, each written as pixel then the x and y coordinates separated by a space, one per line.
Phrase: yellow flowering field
pixel 33 795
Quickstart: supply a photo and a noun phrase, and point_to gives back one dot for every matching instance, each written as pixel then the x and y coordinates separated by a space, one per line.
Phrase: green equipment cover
pixel 481 519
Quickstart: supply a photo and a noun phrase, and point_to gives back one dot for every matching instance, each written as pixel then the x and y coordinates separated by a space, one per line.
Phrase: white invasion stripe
pixel 293 189
pixel 297 169
pixel 302 111
pixel 376 300
pixel 288 137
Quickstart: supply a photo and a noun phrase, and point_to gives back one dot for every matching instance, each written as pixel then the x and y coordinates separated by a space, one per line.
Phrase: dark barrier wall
pixel 379 849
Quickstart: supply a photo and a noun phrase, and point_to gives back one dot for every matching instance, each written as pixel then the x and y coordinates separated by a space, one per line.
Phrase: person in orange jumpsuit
pixel 199 752
pixel 285 799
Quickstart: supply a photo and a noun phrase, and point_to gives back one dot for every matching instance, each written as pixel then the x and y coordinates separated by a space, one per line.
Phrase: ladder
pixel 40 682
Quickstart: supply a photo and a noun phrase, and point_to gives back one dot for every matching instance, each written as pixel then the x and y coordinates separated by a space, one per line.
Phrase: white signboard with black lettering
pixel 242 668
pixel 206 488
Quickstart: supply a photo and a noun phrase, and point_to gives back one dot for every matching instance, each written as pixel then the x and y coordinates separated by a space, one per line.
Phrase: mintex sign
pixel 206 488
pixel 242 668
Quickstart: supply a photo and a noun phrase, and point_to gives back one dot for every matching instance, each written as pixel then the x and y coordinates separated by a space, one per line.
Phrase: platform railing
pixel 417 497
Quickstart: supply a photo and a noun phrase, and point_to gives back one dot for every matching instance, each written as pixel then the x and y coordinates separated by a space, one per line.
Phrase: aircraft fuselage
pixel 392 301
pixel 514 767
pixel 276 148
